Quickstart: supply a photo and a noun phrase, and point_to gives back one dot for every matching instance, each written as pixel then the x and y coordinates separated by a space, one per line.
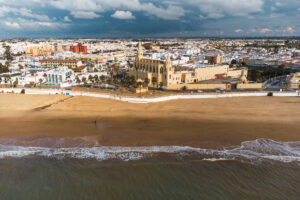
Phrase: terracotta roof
pixel 50 60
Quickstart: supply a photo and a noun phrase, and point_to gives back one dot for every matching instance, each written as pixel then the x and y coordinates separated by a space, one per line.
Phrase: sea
pixel 45 168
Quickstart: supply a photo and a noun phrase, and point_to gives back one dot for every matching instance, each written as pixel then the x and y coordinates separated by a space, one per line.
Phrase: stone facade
pixel 163 74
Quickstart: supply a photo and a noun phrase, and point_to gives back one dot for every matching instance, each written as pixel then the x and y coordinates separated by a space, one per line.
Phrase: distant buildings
pixel 293 81
pixel 39 50
pixel 53 63
pixel 79 49
pixel 214 60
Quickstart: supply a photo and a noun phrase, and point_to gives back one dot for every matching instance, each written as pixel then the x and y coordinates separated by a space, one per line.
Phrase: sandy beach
pixel 205 123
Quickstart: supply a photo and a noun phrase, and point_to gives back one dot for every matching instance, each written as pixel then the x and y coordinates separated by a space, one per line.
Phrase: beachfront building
pixel 293 80
pixel 163 74
pixel 53 63
pixel 59 76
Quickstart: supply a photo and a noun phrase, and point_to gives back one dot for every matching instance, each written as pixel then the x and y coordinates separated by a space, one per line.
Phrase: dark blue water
pixel 261 169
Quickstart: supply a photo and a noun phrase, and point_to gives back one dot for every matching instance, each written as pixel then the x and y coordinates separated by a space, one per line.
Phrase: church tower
pixel 140 52
pixel 168 63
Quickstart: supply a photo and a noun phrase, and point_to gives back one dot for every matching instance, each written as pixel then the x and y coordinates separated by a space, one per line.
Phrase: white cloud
pixel 170 12
pixel 219 8
pixel 119 14
pixel 239 30
pixel 85 14
pixel 265 30
pixel 12 25
pixel 24 12
pixel 67 19
pixel 289 30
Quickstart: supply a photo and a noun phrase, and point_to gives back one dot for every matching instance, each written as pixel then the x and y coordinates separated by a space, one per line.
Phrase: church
pixel 162 74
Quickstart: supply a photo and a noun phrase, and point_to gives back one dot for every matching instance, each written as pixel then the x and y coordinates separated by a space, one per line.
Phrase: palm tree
pixel 102 78
pixel 91 78
pixel 84 81
pixel 16 82
pixel 7 78
pixel 96 78
pixel 41 81
pixel 78 80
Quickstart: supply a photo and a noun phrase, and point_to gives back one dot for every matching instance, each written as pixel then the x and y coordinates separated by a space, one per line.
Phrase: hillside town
pixel 140 65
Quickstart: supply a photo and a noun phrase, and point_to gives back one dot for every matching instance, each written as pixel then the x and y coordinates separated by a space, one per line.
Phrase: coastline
pixel 204 123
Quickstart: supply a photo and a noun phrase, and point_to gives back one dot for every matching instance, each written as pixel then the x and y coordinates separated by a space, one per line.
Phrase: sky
pixel 148 18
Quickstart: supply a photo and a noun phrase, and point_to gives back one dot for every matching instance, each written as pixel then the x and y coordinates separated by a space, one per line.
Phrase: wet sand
pixel 206 123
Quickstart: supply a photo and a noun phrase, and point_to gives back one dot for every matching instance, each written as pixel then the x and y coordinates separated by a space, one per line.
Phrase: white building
pixel 60 75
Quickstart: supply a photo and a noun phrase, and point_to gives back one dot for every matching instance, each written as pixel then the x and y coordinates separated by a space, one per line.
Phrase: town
pixel 139 66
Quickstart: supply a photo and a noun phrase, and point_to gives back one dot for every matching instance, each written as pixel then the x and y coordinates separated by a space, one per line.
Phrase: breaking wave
pixel 253 151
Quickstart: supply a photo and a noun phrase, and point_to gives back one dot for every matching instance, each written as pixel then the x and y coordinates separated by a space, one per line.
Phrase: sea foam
pixel 257 150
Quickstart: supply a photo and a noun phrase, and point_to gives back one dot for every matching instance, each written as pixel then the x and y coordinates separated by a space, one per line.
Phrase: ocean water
pixel 50 168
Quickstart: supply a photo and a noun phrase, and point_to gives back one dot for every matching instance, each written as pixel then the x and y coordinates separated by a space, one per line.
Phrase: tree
pixel 139 84
pixel 16 82
pixel 146 81
pixel 78 81
pixel 161 84
pixel 21 66
pixel 91 78
pixel 102 78
pixel 41 81
pixel 7 53
pixel 154 80
pixel 96 78
pixel 233 62
pixel 132 80
pixel 32 84
pixel 84 81
pixel 7 78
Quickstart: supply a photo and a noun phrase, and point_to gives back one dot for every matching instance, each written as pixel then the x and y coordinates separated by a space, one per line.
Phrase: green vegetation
pixel 4 68
pixel 261 74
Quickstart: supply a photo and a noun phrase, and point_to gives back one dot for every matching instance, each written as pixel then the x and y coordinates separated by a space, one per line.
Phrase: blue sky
pixel 149 18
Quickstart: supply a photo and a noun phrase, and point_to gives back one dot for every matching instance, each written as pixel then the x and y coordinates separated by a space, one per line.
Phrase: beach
pixel 64 147
pixel 204 123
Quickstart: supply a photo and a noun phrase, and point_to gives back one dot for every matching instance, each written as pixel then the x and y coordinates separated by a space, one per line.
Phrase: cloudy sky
pixel 148 18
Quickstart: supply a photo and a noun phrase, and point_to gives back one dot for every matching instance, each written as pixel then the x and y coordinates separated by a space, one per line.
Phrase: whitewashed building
pixel 59 76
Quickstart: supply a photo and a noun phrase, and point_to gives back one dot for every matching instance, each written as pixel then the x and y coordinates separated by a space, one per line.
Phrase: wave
pixel 257 150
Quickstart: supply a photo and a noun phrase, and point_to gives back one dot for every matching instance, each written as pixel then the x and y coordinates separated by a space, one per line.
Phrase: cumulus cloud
pixel 289 30
pixel 265 30
pixel 119 14
pixel 85 14
pixel 67 19
pixel 219 8
pixel 239 30
pixel 13 25
pixel 250 17
pixel 169 12
pixel 24 12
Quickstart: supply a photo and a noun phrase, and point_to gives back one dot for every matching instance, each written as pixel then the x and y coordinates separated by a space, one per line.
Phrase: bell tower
pixel 140 52
pixel 168 63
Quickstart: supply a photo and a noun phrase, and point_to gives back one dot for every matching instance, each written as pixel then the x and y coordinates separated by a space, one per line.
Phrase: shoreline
pixel 203 123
